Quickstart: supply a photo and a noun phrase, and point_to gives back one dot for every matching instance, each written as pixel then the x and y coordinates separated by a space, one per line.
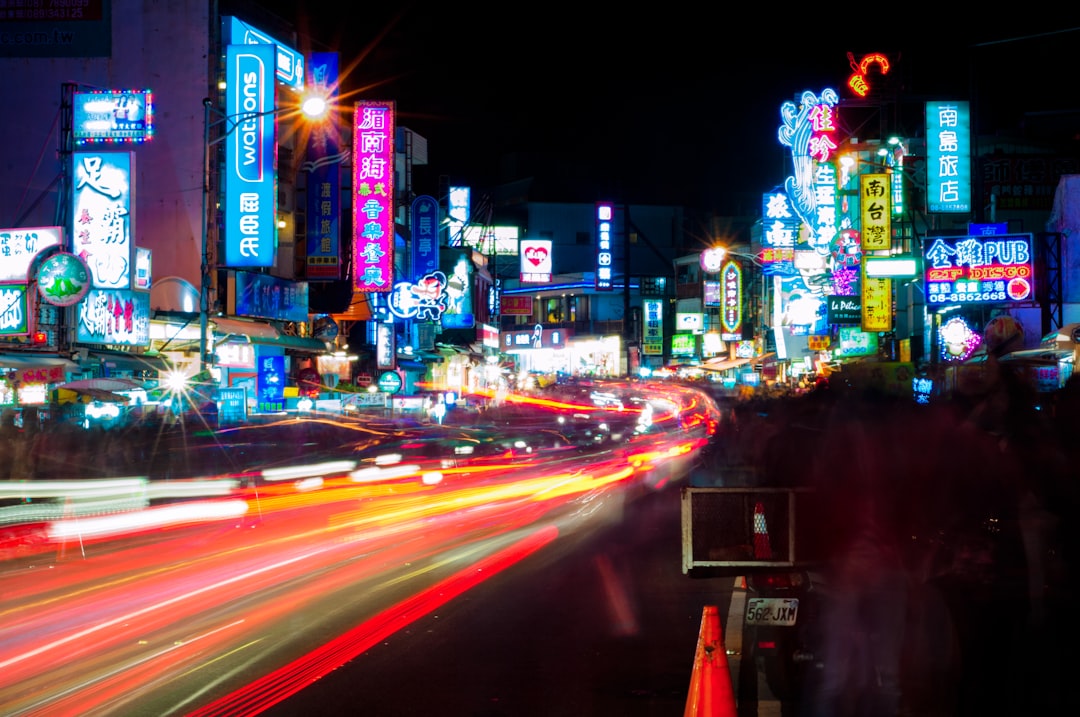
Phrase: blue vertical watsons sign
pixel 102 217
pixel 250 149
pixel 323 165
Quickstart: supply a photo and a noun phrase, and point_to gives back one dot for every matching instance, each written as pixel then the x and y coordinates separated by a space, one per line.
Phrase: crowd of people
pixel 948 535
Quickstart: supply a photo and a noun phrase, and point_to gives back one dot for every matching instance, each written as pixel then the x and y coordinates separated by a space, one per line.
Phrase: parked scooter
pixel 782 626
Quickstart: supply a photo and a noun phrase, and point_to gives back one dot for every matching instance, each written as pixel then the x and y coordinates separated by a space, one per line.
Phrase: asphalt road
pixel 604 623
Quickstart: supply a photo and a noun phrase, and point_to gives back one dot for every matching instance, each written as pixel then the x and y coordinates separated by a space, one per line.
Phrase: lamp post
pixel 313 106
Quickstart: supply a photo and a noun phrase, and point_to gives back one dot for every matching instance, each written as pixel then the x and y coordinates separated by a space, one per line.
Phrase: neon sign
pixel 858 82
pixel 731 276
pixel 957 340
pixel 979 269
pixel 373 195
pixel 604 221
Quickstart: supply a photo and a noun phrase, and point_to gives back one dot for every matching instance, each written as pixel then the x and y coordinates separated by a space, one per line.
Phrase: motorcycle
pixel 782 626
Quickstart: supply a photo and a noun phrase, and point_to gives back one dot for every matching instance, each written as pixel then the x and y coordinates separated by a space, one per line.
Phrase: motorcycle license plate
pixel 772 611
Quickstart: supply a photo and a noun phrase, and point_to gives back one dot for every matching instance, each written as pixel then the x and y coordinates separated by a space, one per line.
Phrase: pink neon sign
pixel 373 196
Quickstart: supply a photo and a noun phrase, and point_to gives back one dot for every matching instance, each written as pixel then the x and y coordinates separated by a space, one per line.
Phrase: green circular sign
pixel 63 279
pixel 389 382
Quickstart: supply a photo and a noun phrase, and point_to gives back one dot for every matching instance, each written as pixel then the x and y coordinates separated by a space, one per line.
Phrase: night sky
pixel 648 107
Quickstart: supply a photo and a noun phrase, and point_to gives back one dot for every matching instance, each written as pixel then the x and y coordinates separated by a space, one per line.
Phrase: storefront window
pixel 553 311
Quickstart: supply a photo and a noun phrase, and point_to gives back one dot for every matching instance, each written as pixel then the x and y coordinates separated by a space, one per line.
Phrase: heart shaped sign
pixel 536 255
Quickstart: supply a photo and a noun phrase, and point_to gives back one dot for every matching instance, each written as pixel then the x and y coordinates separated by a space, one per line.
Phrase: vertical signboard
pixel 876 216
pixel 424 218
pixel 876 303
pixel 948 154
pixel 103 215
pixel 458 268
pixel 458 207
pixel 652 330
pixel 779 229
pixel 324 178
pixel 605 220
pixel 250 180
pixel 271 384
pixel 731 318
pixel 373 195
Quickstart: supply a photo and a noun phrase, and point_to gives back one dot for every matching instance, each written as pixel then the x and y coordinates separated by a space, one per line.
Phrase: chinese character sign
pixel 979 269
pixel 605 224
pixel 652 328
pixel 731 319
pixel 250 180
pixel 323 166
pixel 876 214
pixel 271 384
pixel 114 317
pixel 809 130
pixel 876 303
pixel 948 153
pixel 103 199
pixel 13 310
pixel 779 230
pixel 424 218
pixel 18 247
pixel 373 196
pixel 112 116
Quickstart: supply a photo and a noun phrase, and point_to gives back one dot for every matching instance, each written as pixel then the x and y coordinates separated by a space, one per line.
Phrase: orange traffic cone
pixel 762 548
pixel 711 694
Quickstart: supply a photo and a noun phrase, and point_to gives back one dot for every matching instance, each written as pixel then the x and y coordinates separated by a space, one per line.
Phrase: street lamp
pixel 313 106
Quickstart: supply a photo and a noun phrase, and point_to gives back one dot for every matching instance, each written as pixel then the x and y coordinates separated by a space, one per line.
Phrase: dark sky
pixel 653 105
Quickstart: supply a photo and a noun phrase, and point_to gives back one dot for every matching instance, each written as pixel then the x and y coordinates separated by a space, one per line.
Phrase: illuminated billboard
pixel 979 269
pixel 18 247
pixel 605 226
pixel 287 63
pixel 948 155
pixel 112 116
pixel 373 195
pixel 250 181
pixel 536 261
pixel 731 316
pixel 103 203
pixel 114 317
pixel 424 222
pixel 323 166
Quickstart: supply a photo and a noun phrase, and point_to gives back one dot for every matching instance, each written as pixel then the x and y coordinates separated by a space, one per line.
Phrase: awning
pixel 261 332
pixel 248 331
pixel 86 395
pixel 32 360
pixel 723 365
pixel 1040 355
pixel 122 361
